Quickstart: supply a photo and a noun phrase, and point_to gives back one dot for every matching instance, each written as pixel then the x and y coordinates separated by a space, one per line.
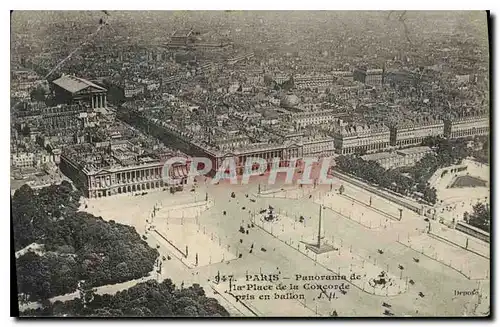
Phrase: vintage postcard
pixel 250 163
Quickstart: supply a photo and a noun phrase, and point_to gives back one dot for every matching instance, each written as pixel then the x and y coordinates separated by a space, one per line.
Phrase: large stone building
pixel 470 125
pixel 111 168
pixel 318 147
pixel 182 38
pixel 247 56
pixel 239 151
pixel 30 159
pixel 343 75
pixel 359 139
pixel 373 77
pixel 307 118
pixel 399 158
pixel 411 133
pixel 312 81
pixel 132 89
pixel 55 119
pixel 185 39
pixel 70 89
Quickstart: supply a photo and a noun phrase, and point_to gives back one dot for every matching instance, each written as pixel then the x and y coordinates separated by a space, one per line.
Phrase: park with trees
pixel 413 180
pixel 76 248
pixel 76 245
pixel 480 217
pixel 147 299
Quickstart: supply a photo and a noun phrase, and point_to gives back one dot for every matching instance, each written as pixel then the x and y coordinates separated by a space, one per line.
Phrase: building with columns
pixel 359 138
pixel 386 160
pixel 312 81
pixel 373 77
pixel 54 119
pixel 318 147
pixel 112 168
pixel 307 118
pixel 469 125
pixel 72 90
pixel 412 133
pixel 400 158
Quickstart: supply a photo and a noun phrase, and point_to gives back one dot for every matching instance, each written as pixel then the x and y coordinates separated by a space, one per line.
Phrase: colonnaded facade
pixel 97 179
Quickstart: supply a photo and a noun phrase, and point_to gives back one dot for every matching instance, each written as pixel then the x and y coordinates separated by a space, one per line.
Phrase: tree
pixel 147 299
pixel 480 217
pixel 430 195
pixel 38 94
pixel 77 247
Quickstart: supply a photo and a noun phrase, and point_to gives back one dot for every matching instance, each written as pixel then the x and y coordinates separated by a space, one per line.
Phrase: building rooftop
pixel 419 121
pixel 75 84
pixel 414 150
pixel 352 130
pixel 379 156
pixel 114 157
pixel 183 33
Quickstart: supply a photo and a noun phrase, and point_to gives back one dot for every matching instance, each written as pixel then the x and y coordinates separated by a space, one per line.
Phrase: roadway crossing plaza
pixel 262 302
pixel 469 264
pixel 288 192
pixel 192 244
pixel 460 239
pixel 135 210
pixel 341 261
pixel 361 250
pixel 350 209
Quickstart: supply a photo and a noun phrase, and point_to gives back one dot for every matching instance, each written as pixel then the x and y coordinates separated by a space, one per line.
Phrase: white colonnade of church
pixel 99 101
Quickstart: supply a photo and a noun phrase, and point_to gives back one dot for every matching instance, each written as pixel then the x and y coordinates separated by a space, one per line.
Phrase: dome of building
pixel 289 101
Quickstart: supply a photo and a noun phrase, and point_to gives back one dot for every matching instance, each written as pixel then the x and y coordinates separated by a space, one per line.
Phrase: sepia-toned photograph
pixel 238 163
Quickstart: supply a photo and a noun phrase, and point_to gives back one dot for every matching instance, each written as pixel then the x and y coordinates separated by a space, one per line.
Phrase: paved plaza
pixel 341 261
pixel 255 248
pixel 471 265
pixel 347 207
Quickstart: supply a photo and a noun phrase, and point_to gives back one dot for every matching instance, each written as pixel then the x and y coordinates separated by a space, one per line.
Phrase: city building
pixel 132 90
pixel 396 77
pixel 112 168
pixel 239 149
pixel 359 139
pixel 281 78
pixel 343 75
pixel 318 147
pixel 70 89
pixel 32 159
pixel 312 81
pixel 307 118
pixel 373 77
pixel 185 39
pixel 413 132
pixel 411 156
pixel 182 38
pixel 400 158
pixel 289 100
pixel 239 58
pixel 386 160
pixel 467 126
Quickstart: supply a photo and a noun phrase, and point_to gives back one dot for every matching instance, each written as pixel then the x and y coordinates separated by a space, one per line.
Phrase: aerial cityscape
pixel 250 163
